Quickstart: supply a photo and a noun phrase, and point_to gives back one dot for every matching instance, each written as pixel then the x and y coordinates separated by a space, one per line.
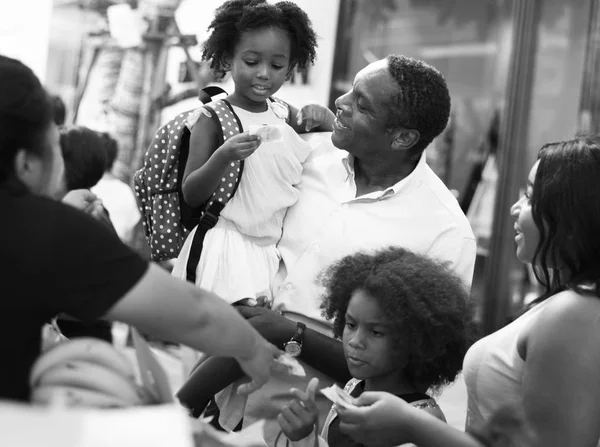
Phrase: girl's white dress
pixel 239 256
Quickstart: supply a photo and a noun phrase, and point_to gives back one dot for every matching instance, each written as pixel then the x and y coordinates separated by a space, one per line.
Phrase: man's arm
pixel 319 351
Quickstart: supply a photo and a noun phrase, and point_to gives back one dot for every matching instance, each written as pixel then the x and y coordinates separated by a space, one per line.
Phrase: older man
pixel 371 189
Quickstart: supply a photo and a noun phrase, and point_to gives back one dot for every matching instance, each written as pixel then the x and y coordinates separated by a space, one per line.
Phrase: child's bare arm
pixel 207 161
pixel 311 118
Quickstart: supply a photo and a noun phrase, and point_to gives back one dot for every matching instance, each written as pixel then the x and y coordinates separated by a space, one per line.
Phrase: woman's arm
pixel 207 161
pixel 561 390
pixel 382 419
pixel 181 312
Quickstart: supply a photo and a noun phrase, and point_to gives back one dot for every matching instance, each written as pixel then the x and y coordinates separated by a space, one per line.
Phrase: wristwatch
pixel 294 346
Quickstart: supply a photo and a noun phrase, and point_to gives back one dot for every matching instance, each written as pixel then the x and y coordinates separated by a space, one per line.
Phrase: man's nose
pixel 342 103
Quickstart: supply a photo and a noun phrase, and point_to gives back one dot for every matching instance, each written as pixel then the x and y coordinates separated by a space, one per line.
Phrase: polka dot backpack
pixel 166 217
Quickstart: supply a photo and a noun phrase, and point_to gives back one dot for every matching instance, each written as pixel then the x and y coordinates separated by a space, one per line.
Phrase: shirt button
pixel 289 286
pixel 345 206
pixel 316 247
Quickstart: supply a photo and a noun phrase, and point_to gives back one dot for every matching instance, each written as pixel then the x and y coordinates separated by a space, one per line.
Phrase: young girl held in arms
pixel 405 323
pixel 260 44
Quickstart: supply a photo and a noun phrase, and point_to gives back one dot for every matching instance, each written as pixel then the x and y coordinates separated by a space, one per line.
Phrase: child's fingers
pixel 311 388
pixel 285 425
pixel 299 394
pixel 299 117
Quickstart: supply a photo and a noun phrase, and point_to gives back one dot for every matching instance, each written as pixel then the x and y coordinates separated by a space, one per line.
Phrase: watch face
pixel 293 348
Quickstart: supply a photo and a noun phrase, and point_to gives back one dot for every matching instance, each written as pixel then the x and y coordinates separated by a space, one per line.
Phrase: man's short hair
pixel 423 100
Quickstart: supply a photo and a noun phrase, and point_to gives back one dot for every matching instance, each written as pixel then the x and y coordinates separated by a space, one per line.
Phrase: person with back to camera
pixel 61 260
pixel 405 323
pixel 85 159
pixel 366 189
pixel 546 362
pixel 260 44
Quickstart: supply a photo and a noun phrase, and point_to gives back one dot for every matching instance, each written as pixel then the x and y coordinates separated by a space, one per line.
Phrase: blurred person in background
pixel 85 160
pixel 116 195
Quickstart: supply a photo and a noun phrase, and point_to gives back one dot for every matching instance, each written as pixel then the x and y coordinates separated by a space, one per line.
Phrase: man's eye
pixel 350 325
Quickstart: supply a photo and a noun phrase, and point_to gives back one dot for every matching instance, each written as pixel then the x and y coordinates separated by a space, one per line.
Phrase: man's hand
pixel 258 365
pixel 270 324
pixel 315 115
pixel 379 419
pixel 297 419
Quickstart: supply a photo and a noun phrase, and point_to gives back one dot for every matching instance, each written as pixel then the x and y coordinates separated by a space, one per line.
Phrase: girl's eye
pixel 350 325
pixel 251 63
pixel 277 67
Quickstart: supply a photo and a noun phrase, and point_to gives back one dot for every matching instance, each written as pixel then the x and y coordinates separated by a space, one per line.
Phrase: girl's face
pixel 368 344
pixel 528 235
pixel 259 67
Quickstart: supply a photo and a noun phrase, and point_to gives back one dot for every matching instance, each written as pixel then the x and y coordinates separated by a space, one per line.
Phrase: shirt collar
pixel 348 163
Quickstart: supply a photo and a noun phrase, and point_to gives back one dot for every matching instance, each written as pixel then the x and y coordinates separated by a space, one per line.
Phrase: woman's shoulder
pixel 568 316
pixel 570 304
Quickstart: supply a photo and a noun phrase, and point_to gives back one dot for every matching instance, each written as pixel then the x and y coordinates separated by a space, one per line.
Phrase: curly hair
pixel 428 308
pixel 236 17
pixel 423 100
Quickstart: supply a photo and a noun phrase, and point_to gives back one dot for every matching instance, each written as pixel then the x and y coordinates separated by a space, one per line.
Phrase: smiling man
pixel 368 190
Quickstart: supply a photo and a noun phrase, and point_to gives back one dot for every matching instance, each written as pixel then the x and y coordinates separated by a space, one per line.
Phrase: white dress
pixel 239 256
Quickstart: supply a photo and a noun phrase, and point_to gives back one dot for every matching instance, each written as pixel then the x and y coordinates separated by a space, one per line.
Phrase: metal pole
pixel 513 142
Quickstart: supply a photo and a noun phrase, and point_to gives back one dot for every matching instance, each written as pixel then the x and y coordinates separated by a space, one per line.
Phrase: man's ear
pixel 404 139
pixel 28 168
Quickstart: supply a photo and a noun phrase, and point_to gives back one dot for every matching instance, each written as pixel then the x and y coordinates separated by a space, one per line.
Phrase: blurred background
pixel 520 73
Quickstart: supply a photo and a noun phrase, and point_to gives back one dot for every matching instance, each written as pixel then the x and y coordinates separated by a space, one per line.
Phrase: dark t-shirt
pixel 54 259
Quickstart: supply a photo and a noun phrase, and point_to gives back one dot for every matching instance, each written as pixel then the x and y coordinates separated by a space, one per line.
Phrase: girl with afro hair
pixel 259 44
pixel 405 322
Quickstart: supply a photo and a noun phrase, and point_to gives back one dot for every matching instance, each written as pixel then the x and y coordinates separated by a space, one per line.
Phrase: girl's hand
pixel 379 419
pixel 239 147
pixel 314 115
pixel 297 419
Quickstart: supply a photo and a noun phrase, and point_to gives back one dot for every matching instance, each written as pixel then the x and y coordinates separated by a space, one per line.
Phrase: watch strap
pixel 299 334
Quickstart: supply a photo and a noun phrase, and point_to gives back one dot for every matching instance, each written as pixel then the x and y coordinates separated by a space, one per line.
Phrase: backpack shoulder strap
pixel 230 125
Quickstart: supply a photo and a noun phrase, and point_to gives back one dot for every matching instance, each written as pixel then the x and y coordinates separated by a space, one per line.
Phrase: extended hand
pixel 314 115
pixel 258 365
pixel 297 419
pixel 378 420
pixel 271 325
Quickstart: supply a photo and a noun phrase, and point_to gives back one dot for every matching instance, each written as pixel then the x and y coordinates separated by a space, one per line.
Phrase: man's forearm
pixel 325 354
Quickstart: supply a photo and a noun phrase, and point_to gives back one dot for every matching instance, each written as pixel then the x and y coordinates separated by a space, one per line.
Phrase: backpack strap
pixel 230 125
